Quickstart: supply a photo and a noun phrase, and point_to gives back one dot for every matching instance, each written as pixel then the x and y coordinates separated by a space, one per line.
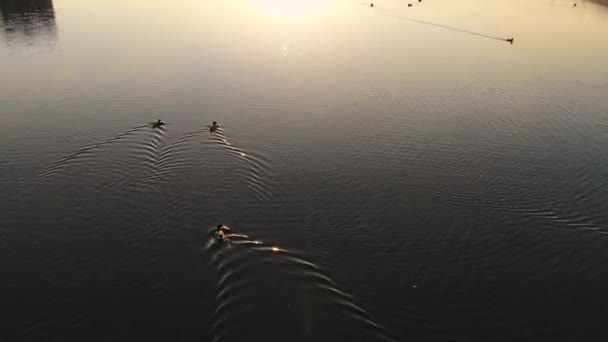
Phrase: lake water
pixel 390 173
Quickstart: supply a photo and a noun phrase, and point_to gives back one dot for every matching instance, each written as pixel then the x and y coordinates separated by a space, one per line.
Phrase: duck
pixel 220 235
pixel 222 228
pixel 409 5
pixel 214 126
pixel 371 4
pixel 510 40
pixel 221 232
pixel 158 124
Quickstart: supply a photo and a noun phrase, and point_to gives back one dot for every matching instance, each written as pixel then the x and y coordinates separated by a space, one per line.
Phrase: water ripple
pixel 260 279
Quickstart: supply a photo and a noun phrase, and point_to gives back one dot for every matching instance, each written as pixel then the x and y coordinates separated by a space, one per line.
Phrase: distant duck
pixel 371 4
pixel 419 0
pixel 214 126
pixel 158 124
pixel 409 5
pixel 510 40
pixel 575 4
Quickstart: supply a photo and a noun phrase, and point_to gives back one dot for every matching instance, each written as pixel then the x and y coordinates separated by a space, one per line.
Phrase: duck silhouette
pixel 158 124
pixel 214 126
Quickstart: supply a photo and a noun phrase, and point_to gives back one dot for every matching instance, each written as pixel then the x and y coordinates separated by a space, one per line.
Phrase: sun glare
pixel 291 9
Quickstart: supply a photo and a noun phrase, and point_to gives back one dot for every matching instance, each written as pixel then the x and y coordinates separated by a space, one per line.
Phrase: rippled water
pixel 389 173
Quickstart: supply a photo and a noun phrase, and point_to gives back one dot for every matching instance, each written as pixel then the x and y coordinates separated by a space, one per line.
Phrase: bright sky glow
pixel 291 9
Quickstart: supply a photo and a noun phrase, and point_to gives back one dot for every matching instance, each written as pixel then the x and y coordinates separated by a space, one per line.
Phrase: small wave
pixel 392 14
pixel 575 221
pixel 81 153
pixel 172 158
pixel 257 278
pixel 150 151
pixel 259 171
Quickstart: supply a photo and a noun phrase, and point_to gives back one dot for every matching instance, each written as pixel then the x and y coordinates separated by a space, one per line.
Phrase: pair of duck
pixel 159 123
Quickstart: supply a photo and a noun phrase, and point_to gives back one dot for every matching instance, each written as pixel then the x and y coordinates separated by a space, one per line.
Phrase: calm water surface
pixel 389 173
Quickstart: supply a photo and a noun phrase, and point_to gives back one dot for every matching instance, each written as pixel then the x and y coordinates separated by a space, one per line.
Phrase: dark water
pixel 389 174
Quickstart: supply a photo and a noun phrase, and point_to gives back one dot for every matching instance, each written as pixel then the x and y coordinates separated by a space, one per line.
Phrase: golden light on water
pixel 275 249
pixel 291 9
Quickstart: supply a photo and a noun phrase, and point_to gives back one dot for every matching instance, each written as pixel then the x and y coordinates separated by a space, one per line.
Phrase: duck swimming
pixel 158 124
pixel 221 237
pixel 222 228
pixel 221 232
pixel 214 126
